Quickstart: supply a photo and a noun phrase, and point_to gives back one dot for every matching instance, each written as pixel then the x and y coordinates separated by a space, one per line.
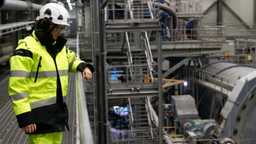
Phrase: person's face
pixel 56 32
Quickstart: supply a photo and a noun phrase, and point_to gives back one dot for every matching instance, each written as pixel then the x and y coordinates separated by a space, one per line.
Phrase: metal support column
pixel 94 24
pixel 160 93
pixel 101 123
pixel 219 12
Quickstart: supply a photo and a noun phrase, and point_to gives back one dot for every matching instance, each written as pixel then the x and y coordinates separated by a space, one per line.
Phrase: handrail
pixel 150 7
pixel 130 107
pixel 130 8
pixel 83 130
pixel 131 115
pixel 149 65
pixel 149 48
pixel 152 112
pixel 155 120
pixel 84 134
pixel 149 119
pixel 149 55
pixel 129 53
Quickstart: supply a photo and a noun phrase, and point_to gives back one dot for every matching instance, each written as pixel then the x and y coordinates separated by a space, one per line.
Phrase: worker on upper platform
pixel 38 81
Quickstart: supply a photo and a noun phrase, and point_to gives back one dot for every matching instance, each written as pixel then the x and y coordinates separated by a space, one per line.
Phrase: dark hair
pixel 43 25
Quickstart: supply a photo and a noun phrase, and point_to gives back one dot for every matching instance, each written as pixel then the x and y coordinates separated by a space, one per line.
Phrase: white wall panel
pixel 243 8
pixel 206 4
pixel 210 18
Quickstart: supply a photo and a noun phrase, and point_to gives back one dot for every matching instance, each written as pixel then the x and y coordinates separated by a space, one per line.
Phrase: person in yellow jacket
pixel 38 81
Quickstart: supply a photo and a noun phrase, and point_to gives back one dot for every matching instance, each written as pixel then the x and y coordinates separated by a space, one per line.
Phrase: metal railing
pixel 155 120
pixel 150 6
pixel 131 111
pixel 188 7
pixel 83 131
pixel 149 122
pixel 236 31
pixel 129 10
pixel 151 115
pixel 129 54
pixel 149 55
pixel 213 33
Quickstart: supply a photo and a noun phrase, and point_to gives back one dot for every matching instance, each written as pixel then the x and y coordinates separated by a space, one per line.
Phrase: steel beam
pixel 219 12
pixel 174 68
pixel 101 103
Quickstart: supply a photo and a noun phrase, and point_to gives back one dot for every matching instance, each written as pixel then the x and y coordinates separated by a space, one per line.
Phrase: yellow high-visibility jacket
pixel 38 84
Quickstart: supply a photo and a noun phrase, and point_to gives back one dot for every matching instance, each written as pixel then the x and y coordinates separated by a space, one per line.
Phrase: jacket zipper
pixel 59 95
pixel 37 70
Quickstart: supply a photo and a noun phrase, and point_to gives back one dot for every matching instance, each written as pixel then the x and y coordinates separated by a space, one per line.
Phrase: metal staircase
pixel 129 86
pixel 140 125
pixel 136 92
pixel 139 113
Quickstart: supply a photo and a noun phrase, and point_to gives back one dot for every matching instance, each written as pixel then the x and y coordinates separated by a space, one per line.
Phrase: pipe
pixel 18 5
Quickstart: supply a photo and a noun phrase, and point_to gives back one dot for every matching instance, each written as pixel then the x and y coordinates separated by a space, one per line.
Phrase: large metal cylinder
pixel 227 92
pixel 18 5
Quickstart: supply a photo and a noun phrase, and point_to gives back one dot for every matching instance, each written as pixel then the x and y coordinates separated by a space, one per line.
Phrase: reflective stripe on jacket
pixel 33 83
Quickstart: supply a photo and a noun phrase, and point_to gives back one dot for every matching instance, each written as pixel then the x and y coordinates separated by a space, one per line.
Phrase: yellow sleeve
pixel 20 67
pixel 73 60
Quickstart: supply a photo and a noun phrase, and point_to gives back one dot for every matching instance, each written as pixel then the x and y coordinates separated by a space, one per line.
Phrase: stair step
pixel 141 121
pixel 141 114
pixel 145 121
pixel 139 104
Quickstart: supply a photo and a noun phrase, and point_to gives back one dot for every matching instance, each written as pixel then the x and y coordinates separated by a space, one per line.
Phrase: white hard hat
pixel 57 13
